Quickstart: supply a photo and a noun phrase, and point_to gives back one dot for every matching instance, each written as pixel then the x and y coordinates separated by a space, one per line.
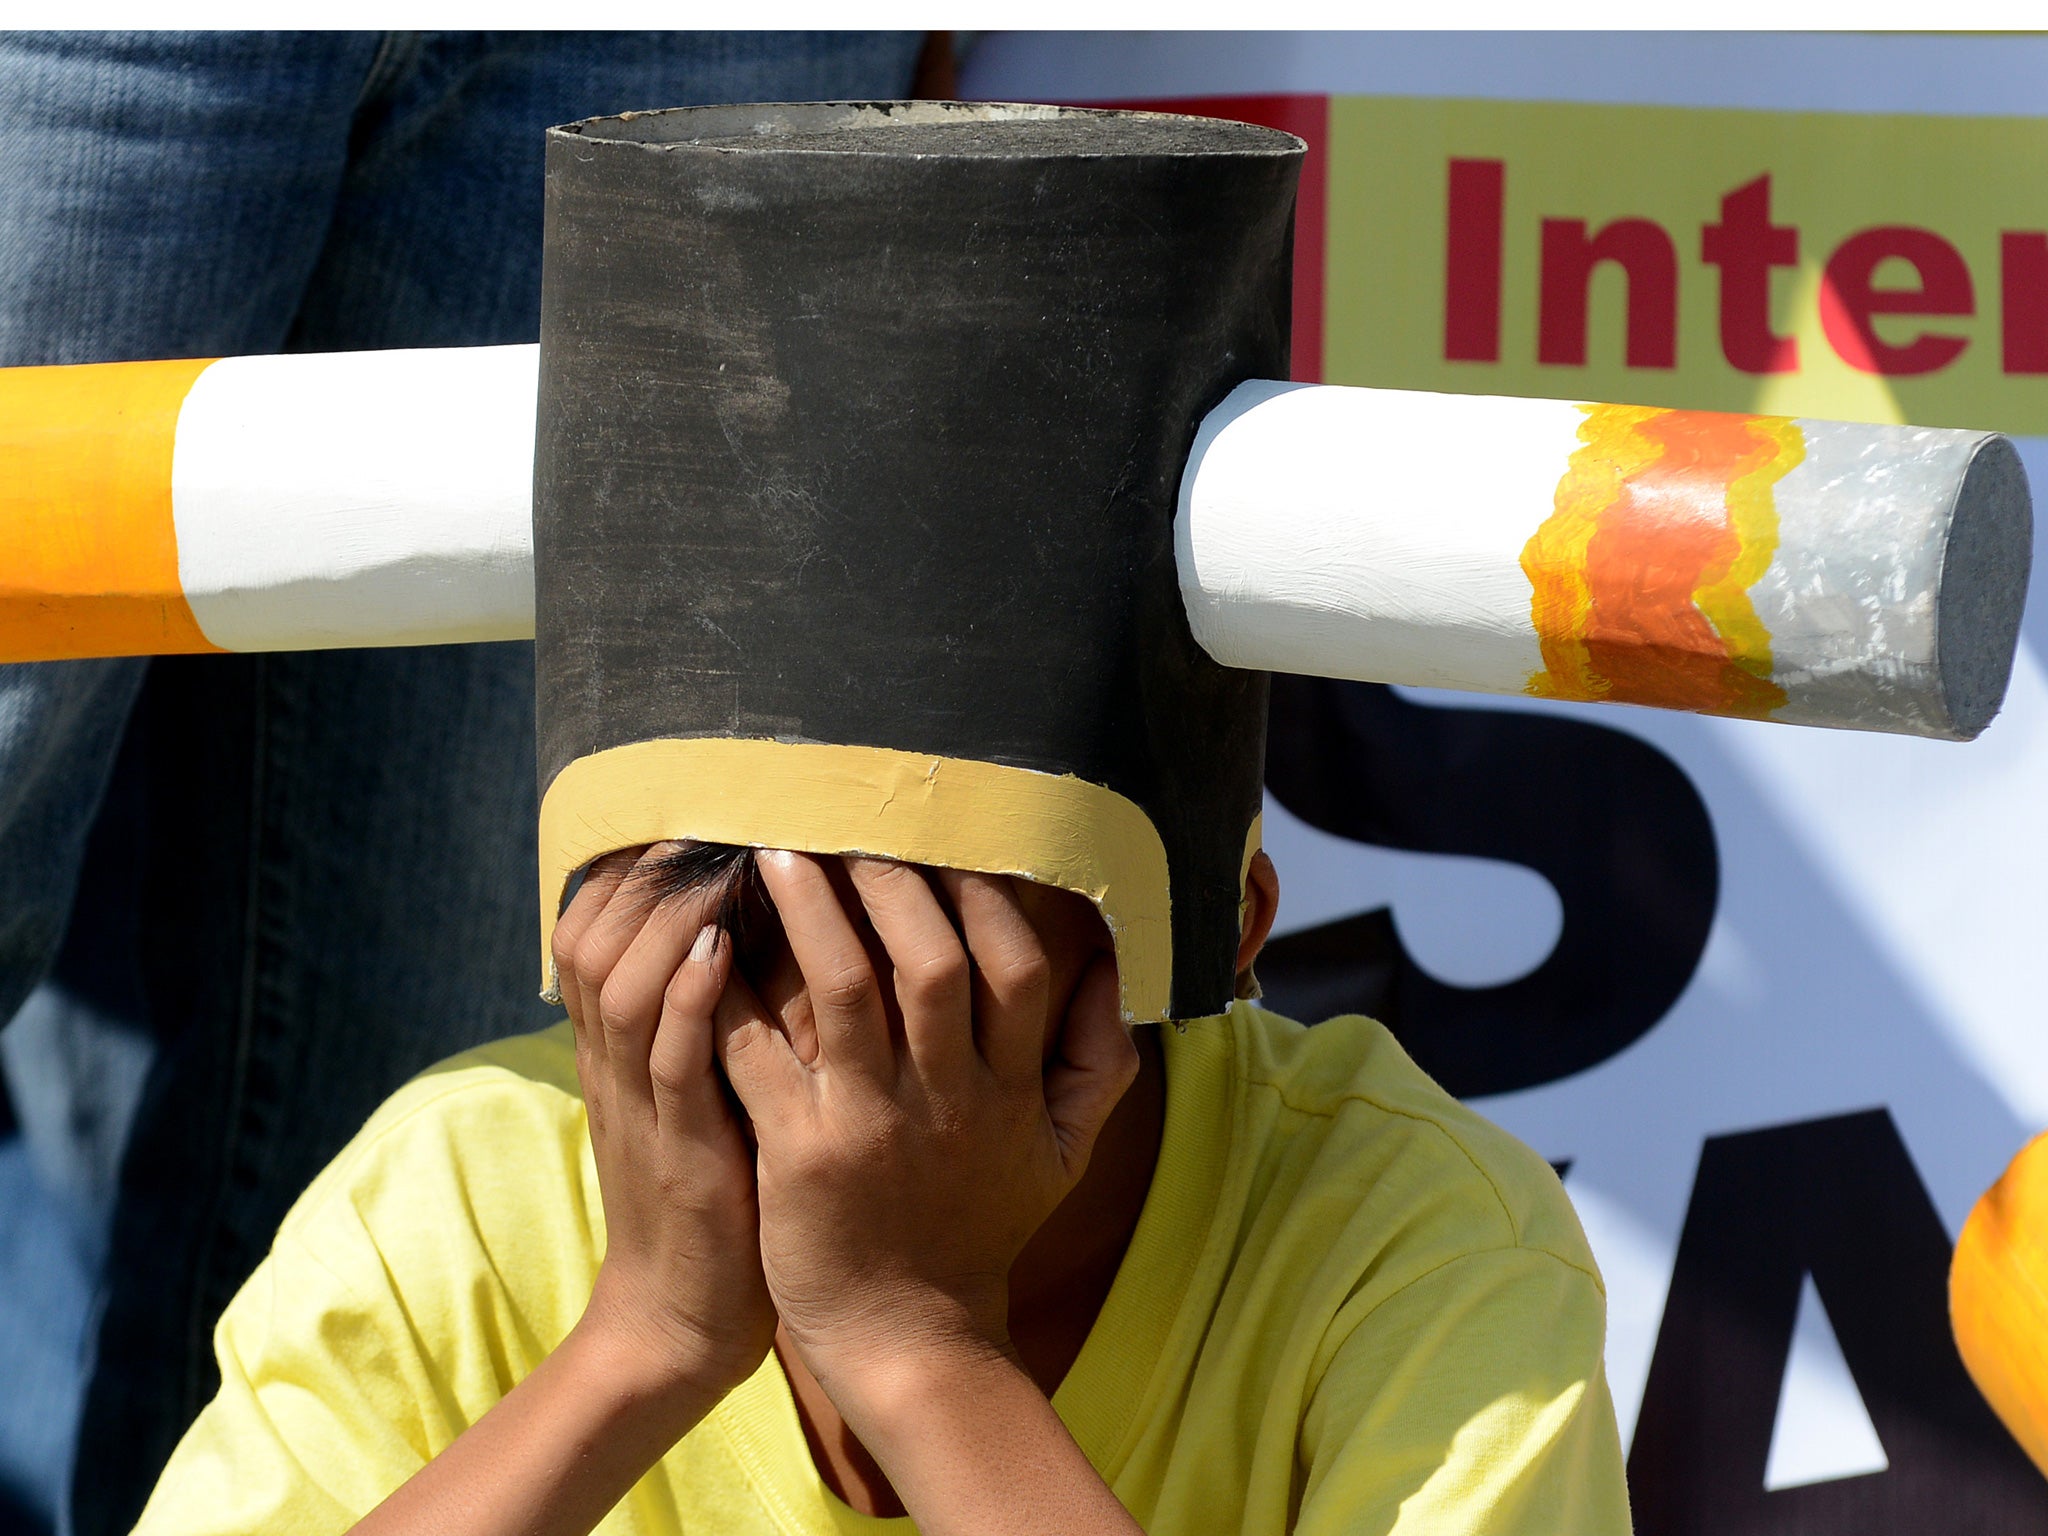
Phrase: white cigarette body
pixel 359 498
pixel 1820 573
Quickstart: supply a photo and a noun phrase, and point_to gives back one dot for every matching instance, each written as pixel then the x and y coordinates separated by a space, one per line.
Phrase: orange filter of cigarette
pixel 1998 1298
pixel 89 560
pixel 1663 521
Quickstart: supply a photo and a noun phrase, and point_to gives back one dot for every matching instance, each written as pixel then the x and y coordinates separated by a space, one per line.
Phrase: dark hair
pixel 724 871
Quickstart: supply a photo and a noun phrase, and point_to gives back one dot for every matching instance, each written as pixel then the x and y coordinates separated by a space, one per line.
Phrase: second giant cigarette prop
pixel 1814 572
pixel 1819 573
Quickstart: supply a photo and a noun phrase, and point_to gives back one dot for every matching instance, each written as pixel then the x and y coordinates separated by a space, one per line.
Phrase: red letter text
pixel 1644 252
pixel 1472 261
pixel 1745 245
pixel 2025 301
pixel 1848 300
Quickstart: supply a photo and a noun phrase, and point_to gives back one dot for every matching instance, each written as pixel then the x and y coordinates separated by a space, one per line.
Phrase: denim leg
pixel 73 1058
pixel 387 916
pixel 46 1285
pixel 152 204
pixel 436 237
pixel 166 194
pixel 60 723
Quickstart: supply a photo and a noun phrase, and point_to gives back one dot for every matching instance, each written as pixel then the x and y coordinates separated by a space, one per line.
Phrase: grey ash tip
pixel 1983 586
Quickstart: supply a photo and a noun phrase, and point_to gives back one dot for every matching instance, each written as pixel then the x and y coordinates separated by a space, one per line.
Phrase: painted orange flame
pixel 1663 522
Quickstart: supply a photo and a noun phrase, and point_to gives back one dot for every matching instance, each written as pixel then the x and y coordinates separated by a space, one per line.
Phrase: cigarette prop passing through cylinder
pixel 1819 573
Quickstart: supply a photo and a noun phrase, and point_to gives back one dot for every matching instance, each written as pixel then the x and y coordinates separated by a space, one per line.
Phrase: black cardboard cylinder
pixel 864 424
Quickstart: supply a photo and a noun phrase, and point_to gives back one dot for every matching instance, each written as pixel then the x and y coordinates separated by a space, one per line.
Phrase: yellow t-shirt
pixel 1350 1306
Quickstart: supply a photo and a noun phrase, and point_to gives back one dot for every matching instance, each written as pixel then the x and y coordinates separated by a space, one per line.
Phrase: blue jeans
pixel 242 898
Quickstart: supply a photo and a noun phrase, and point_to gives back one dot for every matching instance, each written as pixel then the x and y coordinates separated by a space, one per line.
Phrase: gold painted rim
pixel 1056 829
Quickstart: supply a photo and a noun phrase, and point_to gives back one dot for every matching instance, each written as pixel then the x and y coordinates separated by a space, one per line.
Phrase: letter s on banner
pixel 1613 824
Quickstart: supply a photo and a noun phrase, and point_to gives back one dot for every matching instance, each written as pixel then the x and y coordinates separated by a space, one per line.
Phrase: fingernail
pixel 707 943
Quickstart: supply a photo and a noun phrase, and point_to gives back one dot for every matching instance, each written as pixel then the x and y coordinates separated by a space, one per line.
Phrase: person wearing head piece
pixel 888 789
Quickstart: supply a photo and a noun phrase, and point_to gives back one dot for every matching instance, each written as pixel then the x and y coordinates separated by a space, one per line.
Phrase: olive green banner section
pixel 1862 267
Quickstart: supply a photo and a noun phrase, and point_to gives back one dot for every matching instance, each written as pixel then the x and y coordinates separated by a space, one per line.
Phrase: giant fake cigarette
pixel 1821 573
pixel 1815 572
pixel 280 503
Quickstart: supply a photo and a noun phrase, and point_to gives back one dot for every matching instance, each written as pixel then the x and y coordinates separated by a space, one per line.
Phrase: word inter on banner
pixel 1745 245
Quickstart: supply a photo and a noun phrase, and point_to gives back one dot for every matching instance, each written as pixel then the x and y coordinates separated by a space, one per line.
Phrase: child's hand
pixel 681 1282
pixel 925 1123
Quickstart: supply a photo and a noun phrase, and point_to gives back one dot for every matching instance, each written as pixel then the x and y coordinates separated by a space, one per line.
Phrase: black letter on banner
pixel 1838 1199
pixel 1612 823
